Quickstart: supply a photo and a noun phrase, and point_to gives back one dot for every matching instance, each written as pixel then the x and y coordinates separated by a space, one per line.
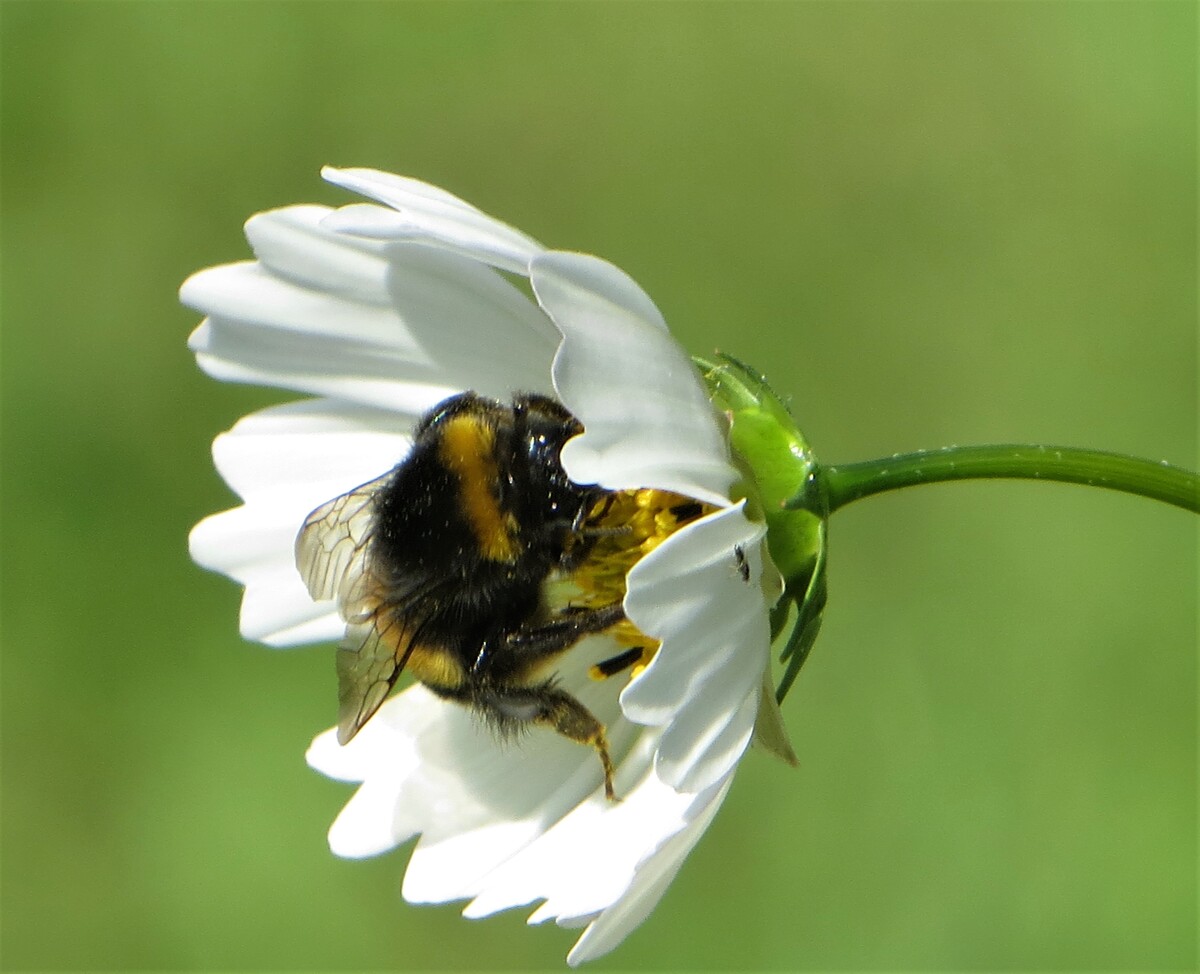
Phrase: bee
pixel 439 567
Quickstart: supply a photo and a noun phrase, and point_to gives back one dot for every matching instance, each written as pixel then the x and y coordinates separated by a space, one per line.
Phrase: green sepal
pixel 778 467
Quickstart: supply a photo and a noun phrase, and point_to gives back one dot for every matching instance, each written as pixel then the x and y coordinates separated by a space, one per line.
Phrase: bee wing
pixel 369 660
pixel 332 545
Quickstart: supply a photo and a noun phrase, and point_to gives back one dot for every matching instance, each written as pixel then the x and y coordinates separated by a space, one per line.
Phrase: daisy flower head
pixel 454 368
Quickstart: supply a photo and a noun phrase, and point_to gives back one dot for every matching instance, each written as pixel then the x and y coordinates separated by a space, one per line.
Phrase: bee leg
pixel 547 706
pixel 574 721
pixel 539 642
pixel 584 532
pixel 521 651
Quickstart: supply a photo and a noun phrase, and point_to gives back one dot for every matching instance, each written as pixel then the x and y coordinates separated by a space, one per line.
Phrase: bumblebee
pixel 441 567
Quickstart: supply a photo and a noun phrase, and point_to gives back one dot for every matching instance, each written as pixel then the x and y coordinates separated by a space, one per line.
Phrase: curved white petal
pixel 700 748
pixel 399 190
pixel 285 461
pixel 429 767
pixel 463 777
pixel 654 875
pixel 398 326
pixel 588 859
pixel 506 797
pixel 500 826
pixel 431 216
pixel 247 544
pixel 297 244
pixel 230 353
pixel 320 447
pixel 291 244
pixel 647 418
pixel 703 684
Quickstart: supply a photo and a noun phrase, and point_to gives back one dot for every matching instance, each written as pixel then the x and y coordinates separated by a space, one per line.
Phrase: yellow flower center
pixel 628 525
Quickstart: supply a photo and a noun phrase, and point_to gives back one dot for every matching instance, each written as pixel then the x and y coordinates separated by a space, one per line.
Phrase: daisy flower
pixel 379 311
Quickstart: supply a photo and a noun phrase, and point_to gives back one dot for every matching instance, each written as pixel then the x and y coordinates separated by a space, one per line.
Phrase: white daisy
pixel 380 312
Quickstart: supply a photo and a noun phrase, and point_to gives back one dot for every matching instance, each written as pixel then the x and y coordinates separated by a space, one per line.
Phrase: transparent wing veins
pixel 370 659
pixel 331 550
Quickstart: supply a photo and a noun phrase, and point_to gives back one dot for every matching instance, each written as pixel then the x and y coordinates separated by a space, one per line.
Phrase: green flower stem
pixel 787 487
pixel 843 483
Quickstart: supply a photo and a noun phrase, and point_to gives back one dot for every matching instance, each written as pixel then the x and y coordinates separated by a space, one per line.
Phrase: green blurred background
pixel 931 223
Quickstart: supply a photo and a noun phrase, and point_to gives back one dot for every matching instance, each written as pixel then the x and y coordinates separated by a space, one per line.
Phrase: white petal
pixel 235 355
pixel 434 768
pixel 647 417
pixel 285 461
pixel 252 545
pixel 446 323
pixel 586 860
pixel 403 189
pixel 703 683
pixel 385 747
pixel 299 244
pixel 498 829
pixel 320 448
pixel 384 756
pixel 510 794
pixel 431 216
pixel 698 749
pixel 291 244
pixel 653 877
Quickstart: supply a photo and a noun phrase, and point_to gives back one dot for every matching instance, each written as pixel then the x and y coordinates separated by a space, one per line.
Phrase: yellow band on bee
pixel 467 450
